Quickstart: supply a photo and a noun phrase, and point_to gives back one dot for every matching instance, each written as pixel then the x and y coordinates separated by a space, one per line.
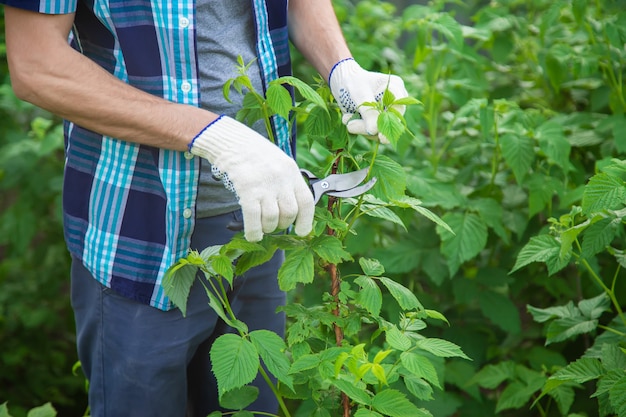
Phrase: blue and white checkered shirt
pixel 128 208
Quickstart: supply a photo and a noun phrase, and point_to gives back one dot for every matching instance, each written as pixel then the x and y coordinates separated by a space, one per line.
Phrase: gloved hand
pixel 352 86
pixel 268 183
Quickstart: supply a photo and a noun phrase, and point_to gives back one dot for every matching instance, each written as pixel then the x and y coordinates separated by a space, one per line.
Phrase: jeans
pixel 141 361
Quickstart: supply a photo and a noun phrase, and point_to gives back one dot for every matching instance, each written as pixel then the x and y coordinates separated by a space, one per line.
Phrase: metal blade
pixel 340 182
pixel 356 191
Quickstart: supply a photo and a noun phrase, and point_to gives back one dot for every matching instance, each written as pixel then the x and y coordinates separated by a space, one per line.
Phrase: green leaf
pixel 391 177
pixel 539 249
pixel 566 328
pixel 318 122
pixel 515 396
pixel 594 307
pixel 46 410
pixel 390 125
pixel 418 387
pixel 239 398
pixel 297 268
pixel 279 99
pixel 271 347
pixel 598 236
pixel 541 315
pixel 305 362
pixel 491 376
pixel 364 412
pixel 554 144
pixel 580 371
pixel 603 192
pixel 371 267
pixel 356 393
pixel 177 283
pixel 470 239
pixel 519 154
pixel 218 307
pixel 393 403
pixel 564 397
pixel 441 348
pixel 617 396
pixel 397 339
pixel 330 249
pixel 415 204
pixel 370 296
pixel 223 266
pixel 235 362
pixel 243 413
pixel 304 89
pixel 420 366
pixel 405 298
pixel 501 311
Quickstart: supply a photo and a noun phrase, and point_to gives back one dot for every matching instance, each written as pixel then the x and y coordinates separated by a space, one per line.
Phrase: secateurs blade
pixel 336 185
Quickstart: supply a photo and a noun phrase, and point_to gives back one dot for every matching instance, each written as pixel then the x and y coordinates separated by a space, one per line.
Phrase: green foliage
pixel 495 231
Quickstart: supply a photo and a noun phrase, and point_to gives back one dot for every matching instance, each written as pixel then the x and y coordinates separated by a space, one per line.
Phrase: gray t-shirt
pixel 225 30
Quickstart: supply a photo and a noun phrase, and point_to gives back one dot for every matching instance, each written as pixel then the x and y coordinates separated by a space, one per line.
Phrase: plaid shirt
pixel 128 208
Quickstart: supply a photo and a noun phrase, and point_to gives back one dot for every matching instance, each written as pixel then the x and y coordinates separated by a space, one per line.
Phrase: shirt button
pixel 183 22
pixel 188 155
pixel 187 213
pixel 186 87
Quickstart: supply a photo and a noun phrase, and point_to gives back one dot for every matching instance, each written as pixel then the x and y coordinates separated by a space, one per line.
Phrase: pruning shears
pixel 336 185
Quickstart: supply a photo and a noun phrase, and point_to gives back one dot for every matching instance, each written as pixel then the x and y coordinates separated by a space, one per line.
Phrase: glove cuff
pixel 218 138
pixel 342 66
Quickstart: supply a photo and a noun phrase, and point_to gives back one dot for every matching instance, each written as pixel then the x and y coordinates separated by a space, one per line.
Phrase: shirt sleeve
pixel 44 6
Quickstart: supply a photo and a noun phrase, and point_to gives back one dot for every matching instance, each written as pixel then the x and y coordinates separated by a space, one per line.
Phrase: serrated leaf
pixel 617 396
pixel 441 348
pixel 420 366
pixel 318 122
pixel 418 387
pixel 580 371
pixel 415 204
pixel 304 89
pixel 297 268
pixel 554 144
pixel 405 298
pixel 177 283
pixel 541 315
pixel 364 412
pixel 218 307
pixel 235 362
pixel 356 393
pixel 593 308
pixel 566 328
pixel 598 236
pixel 391 177
pixel 491 376
pixel 279 99
pixel 469 240
pixel 514 396
pixel 46 410
pixel 239 398
pixel 501 311
pixel 539 249
pixel 390 126
pixel 370 296
pixel 371 267
pixel 393 403
pixel 397 339
pixel 603 192
pixel 305 362
pixel 519 154
pixel 564 398
pixel 271 348
pixel 330 249
pixel 223 266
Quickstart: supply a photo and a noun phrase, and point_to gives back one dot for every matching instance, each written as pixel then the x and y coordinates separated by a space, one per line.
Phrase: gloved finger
pixel 270 214
pixel 288 206
pixel 346 118
pixel 369 116
pixel 306 211
pixel 252 226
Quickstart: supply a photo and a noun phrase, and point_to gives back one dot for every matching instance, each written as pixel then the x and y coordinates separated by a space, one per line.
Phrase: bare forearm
pixel 314 30
pixel 53 76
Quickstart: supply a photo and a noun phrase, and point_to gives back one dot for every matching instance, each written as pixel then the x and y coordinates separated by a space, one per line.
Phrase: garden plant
pixel 482 276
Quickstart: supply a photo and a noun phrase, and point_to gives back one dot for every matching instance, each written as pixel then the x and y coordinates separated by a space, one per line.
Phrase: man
pixel 147 131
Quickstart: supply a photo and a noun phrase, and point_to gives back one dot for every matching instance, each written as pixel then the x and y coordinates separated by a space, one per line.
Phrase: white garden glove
pixel 352 86
pixel 268 183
